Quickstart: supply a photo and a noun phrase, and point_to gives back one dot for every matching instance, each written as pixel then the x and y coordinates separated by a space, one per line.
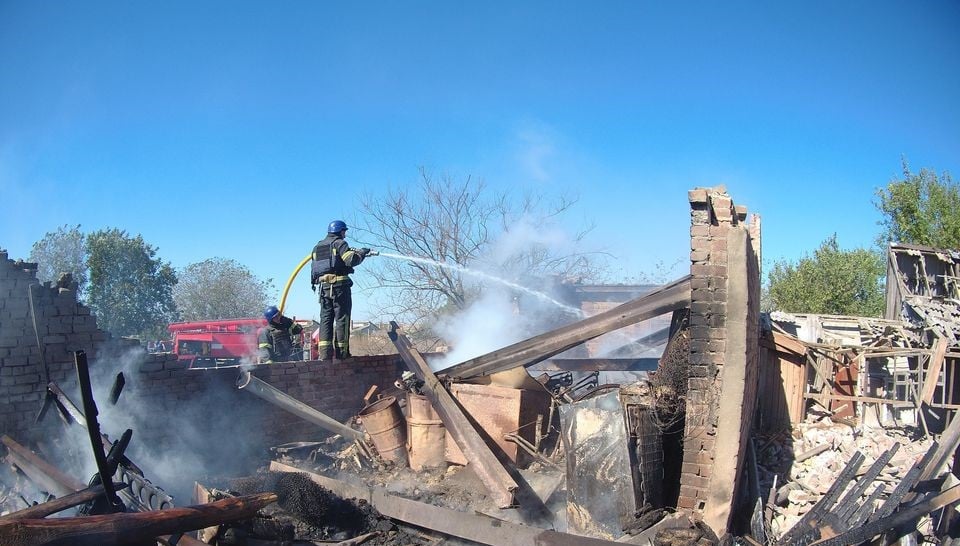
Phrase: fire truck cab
pixel 214 343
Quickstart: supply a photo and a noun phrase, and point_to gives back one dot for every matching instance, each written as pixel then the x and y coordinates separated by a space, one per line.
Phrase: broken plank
pixel 129 528
pixel 671 297
pixel 788 344
pixel 933 369
pixel 485 464
pixel 482 529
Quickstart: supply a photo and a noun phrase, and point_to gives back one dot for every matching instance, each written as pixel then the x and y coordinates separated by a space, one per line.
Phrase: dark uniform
pixel 333 262
pixel 276 342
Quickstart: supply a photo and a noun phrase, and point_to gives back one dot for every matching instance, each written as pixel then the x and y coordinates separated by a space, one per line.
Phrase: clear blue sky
pixel 240 130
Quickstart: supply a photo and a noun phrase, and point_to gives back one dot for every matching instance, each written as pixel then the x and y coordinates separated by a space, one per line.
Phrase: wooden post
pixel 933 370
pixel 486 465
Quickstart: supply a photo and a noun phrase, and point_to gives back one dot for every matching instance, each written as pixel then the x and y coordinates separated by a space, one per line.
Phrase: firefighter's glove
pixel 364 252
pixel 328 278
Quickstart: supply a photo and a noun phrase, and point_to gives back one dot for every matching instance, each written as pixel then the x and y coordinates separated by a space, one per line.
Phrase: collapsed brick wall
pixel 62 326
pixel 724 353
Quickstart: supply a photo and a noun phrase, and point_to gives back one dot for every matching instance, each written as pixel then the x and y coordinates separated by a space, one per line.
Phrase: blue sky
pixel 240 129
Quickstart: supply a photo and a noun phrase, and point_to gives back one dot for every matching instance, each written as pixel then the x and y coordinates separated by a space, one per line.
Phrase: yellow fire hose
pixel 286 289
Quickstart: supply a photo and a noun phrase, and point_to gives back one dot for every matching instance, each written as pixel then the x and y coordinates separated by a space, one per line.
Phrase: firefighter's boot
pixel 325 351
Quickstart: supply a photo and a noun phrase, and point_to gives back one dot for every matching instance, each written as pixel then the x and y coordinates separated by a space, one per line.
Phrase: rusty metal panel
pixel 499 411
pixel 600 491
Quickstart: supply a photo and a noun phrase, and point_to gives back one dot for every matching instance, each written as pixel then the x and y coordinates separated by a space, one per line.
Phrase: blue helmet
pixel 336 226
pixel 270 312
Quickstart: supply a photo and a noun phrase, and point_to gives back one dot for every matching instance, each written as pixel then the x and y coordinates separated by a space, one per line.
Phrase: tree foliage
pixel 219 288
pixel 832 282
pixel 922 208
pixel 131 291
pixel 461 222
pixel 62 251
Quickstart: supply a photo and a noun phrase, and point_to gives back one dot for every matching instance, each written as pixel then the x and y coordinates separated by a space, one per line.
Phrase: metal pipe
pixel 262 389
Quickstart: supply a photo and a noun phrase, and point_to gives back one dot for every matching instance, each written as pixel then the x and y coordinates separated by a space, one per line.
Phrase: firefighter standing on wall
pixel 276 342
pixel 333 262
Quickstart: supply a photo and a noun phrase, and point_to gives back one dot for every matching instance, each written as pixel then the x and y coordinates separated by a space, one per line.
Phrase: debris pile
pixel 801 467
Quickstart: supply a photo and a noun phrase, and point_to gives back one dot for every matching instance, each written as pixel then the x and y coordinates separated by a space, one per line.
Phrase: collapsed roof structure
pixel 782 429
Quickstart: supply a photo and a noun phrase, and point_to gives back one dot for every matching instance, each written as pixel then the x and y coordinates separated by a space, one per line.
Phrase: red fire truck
pixel 212 343
pixel 215 343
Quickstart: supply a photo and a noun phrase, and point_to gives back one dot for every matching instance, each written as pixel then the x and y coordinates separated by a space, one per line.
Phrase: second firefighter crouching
pixel 280 340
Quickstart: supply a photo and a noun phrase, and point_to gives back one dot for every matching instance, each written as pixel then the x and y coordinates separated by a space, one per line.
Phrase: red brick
pixel 698 195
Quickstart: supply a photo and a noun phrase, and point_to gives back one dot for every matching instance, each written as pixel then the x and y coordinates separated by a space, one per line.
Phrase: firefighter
pixel 277 342
pixel 333 262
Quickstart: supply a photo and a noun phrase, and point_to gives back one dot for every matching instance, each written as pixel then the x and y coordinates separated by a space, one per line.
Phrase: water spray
pixel 486 276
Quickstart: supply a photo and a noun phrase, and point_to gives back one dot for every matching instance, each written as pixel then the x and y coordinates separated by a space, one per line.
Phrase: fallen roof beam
pixel 482 529
pixel 130 528
pixel 247 382
pixel 671 297
pixel 486 465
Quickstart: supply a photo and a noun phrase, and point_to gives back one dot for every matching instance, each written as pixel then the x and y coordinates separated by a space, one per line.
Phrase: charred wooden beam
pixel 46 475
pixel 59 504
pixel 129 528
pixel 68 410
pixel 470 526
pixel 72 414
pixel 247 382
pixel 848 505
pixel 117 388
pixel 93 431
pixel 40 472
pixel 908 515
pixel 906 484
pixel 536 349
pixel 486 465
pixel 807 530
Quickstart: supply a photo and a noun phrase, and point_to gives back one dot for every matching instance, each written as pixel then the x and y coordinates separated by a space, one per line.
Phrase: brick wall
pixel 187 424
pixel 724 256
pixel 62 326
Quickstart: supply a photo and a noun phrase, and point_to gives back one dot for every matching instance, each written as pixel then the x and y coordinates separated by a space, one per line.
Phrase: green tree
pixel 131 290
pixel 922 208
pixel 831 282
pixel 219 288
pixel 62 251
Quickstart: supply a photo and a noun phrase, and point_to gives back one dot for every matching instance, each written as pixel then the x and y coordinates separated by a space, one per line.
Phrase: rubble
pixel 782 430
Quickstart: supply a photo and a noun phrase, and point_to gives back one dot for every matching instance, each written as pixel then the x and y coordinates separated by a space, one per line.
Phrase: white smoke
pixel 501 316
